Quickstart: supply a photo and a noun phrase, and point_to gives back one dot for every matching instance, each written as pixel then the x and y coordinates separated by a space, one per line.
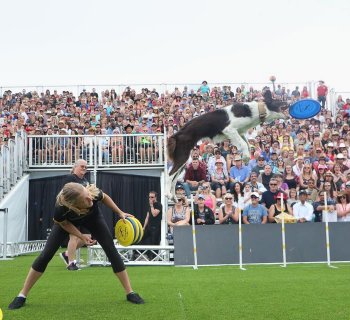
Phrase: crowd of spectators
pixel 302 157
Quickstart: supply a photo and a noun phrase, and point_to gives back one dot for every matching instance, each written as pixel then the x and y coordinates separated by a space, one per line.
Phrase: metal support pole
pixel 4 240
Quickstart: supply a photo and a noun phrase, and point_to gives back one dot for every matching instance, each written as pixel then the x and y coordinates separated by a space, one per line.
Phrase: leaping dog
pixel 230 122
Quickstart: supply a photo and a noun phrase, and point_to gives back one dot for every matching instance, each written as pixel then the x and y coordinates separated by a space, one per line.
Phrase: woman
pixel 237 192
pixel 305 176
pixel 230 157
pixel 280 166
pixel 290 178
pixel 179 214
pixel 228 213
pixel 78 206
pixel 338 177
pixel 276 208
pixel 210 199
pixel 343 207
pixel 329 185
pixel 219 180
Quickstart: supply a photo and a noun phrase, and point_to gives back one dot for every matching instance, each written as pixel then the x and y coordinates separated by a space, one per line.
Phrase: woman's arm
pixel 169 216
pixel 110 204
pixel 72 229
pixel 271 214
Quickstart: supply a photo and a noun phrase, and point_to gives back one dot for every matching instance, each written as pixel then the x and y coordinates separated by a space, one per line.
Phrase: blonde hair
pixel 70 195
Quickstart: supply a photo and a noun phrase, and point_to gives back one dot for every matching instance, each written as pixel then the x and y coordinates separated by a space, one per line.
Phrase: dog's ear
pixel 267 96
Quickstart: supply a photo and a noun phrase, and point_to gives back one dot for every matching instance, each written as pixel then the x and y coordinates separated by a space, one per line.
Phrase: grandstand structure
pixel 26 157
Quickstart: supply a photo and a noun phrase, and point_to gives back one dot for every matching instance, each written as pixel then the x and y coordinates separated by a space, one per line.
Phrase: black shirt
pixel 63 213
pixel 74 178
pixel 155 221
pixel 269 198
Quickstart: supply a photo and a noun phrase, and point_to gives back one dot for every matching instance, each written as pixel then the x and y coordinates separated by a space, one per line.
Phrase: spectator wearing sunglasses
pixel 269 197
pixel 254 213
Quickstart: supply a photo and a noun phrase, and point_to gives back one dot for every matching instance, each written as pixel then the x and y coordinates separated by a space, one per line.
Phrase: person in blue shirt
pixel 238 172
pixel 204 88
pixel 254 213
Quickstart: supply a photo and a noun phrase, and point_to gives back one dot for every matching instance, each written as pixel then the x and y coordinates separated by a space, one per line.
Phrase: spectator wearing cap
pixel 302 210
pixel 212 161
pixel 202 213
pixel 298 166
pixel 279 207
pixel 208 152
pixel 259 168
pixel 273 161
pixel 179 214
pixel 239 172
pixel 219 180
pixel 330 154
pixel 340 159
pixel 254 213
pixel 195 175
pixel 329 186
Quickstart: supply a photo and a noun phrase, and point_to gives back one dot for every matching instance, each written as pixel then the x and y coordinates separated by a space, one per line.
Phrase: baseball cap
pixel 342 145
pixel 179 186
pixel 238 158
pixel 340 156
pixel 201 196
pixel 302 192
pixel 254 194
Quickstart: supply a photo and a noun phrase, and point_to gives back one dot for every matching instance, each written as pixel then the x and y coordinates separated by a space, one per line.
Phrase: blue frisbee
pixel 304 109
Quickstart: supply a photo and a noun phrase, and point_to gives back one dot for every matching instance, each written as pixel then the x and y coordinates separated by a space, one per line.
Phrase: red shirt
pixel 191 175
pixel 322 90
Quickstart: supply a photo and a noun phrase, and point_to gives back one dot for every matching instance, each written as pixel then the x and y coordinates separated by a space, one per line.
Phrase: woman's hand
pixel 87 239
pixel 123 215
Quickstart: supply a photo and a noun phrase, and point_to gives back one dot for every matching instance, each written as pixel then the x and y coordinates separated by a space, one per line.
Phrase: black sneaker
pixel 73 267
pixel 17 303
pixel 133 297
pixel 64 257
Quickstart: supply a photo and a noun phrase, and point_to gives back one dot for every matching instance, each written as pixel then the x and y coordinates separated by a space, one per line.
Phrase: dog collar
pixel 262 111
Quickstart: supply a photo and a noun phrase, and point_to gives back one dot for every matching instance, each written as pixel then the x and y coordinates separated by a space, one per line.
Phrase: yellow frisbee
pixel 139 227
pixel 136 229
pixel 124 232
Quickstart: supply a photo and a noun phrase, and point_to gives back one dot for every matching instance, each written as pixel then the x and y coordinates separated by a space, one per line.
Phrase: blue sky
pixel 105 42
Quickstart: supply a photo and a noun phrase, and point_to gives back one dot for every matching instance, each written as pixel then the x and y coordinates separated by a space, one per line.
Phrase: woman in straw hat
pixel 77 205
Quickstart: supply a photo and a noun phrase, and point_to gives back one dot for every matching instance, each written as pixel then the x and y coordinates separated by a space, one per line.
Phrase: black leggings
pixel 99 231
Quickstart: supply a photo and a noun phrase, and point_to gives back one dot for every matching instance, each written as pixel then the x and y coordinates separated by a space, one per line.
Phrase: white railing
pixel 12 162
pixel 133 255
pixel 76 89
pixel 19 248
pixel 129 150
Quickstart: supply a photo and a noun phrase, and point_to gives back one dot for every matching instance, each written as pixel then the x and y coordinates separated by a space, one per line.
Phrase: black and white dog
pixel 230 122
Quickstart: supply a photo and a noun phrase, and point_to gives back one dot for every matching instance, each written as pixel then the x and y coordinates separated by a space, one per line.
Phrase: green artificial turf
pixel 309 292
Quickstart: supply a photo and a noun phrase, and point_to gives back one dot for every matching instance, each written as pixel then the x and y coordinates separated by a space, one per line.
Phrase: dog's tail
pixel 171 146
